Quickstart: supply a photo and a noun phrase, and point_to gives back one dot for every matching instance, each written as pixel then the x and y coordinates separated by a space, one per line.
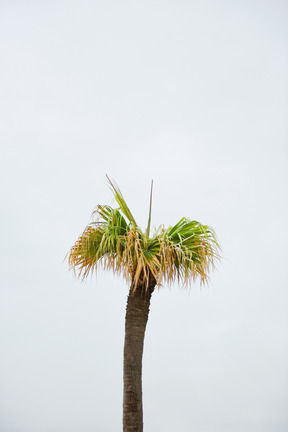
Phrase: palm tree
pixel 114 241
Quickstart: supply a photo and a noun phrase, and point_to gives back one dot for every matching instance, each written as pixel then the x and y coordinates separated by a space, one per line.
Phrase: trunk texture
pixel 135 324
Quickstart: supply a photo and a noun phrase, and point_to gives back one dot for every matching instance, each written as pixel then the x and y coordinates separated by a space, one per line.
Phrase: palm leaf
pixel 121 201
pixel 150 208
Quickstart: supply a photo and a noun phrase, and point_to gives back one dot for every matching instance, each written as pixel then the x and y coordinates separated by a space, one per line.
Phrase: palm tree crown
pixel 181 252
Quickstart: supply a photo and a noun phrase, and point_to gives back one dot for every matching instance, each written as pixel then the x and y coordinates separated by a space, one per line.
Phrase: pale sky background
pixel 193 94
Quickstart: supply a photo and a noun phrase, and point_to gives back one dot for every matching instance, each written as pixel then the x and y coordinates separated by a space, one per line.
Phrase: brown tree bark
pixel 137 312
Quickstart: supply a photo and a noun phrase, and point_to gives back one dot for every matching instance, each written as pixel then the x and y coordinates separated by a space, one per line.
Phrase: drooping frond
pixel 188 250
pixel 180 253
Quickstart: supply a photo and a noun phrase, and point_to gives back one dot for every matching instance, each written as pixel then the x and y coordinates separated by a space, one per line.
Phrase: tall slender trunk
pixel 135 324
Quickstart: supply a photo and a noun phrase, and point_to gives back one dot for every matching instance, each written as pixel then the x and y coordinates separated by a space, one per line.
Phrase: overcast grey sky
pixel 192 94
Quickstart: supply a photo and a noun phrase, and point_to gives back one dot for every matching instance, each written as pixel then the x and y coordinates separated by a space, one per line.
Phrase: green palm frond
pixel 150 208
pixel 181 252
pixel 121 201
pixel 188 249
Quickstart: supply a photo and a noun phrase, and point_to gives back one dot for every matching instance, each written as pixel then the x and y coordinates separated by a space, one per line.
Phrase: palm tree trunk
pixel 135 324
